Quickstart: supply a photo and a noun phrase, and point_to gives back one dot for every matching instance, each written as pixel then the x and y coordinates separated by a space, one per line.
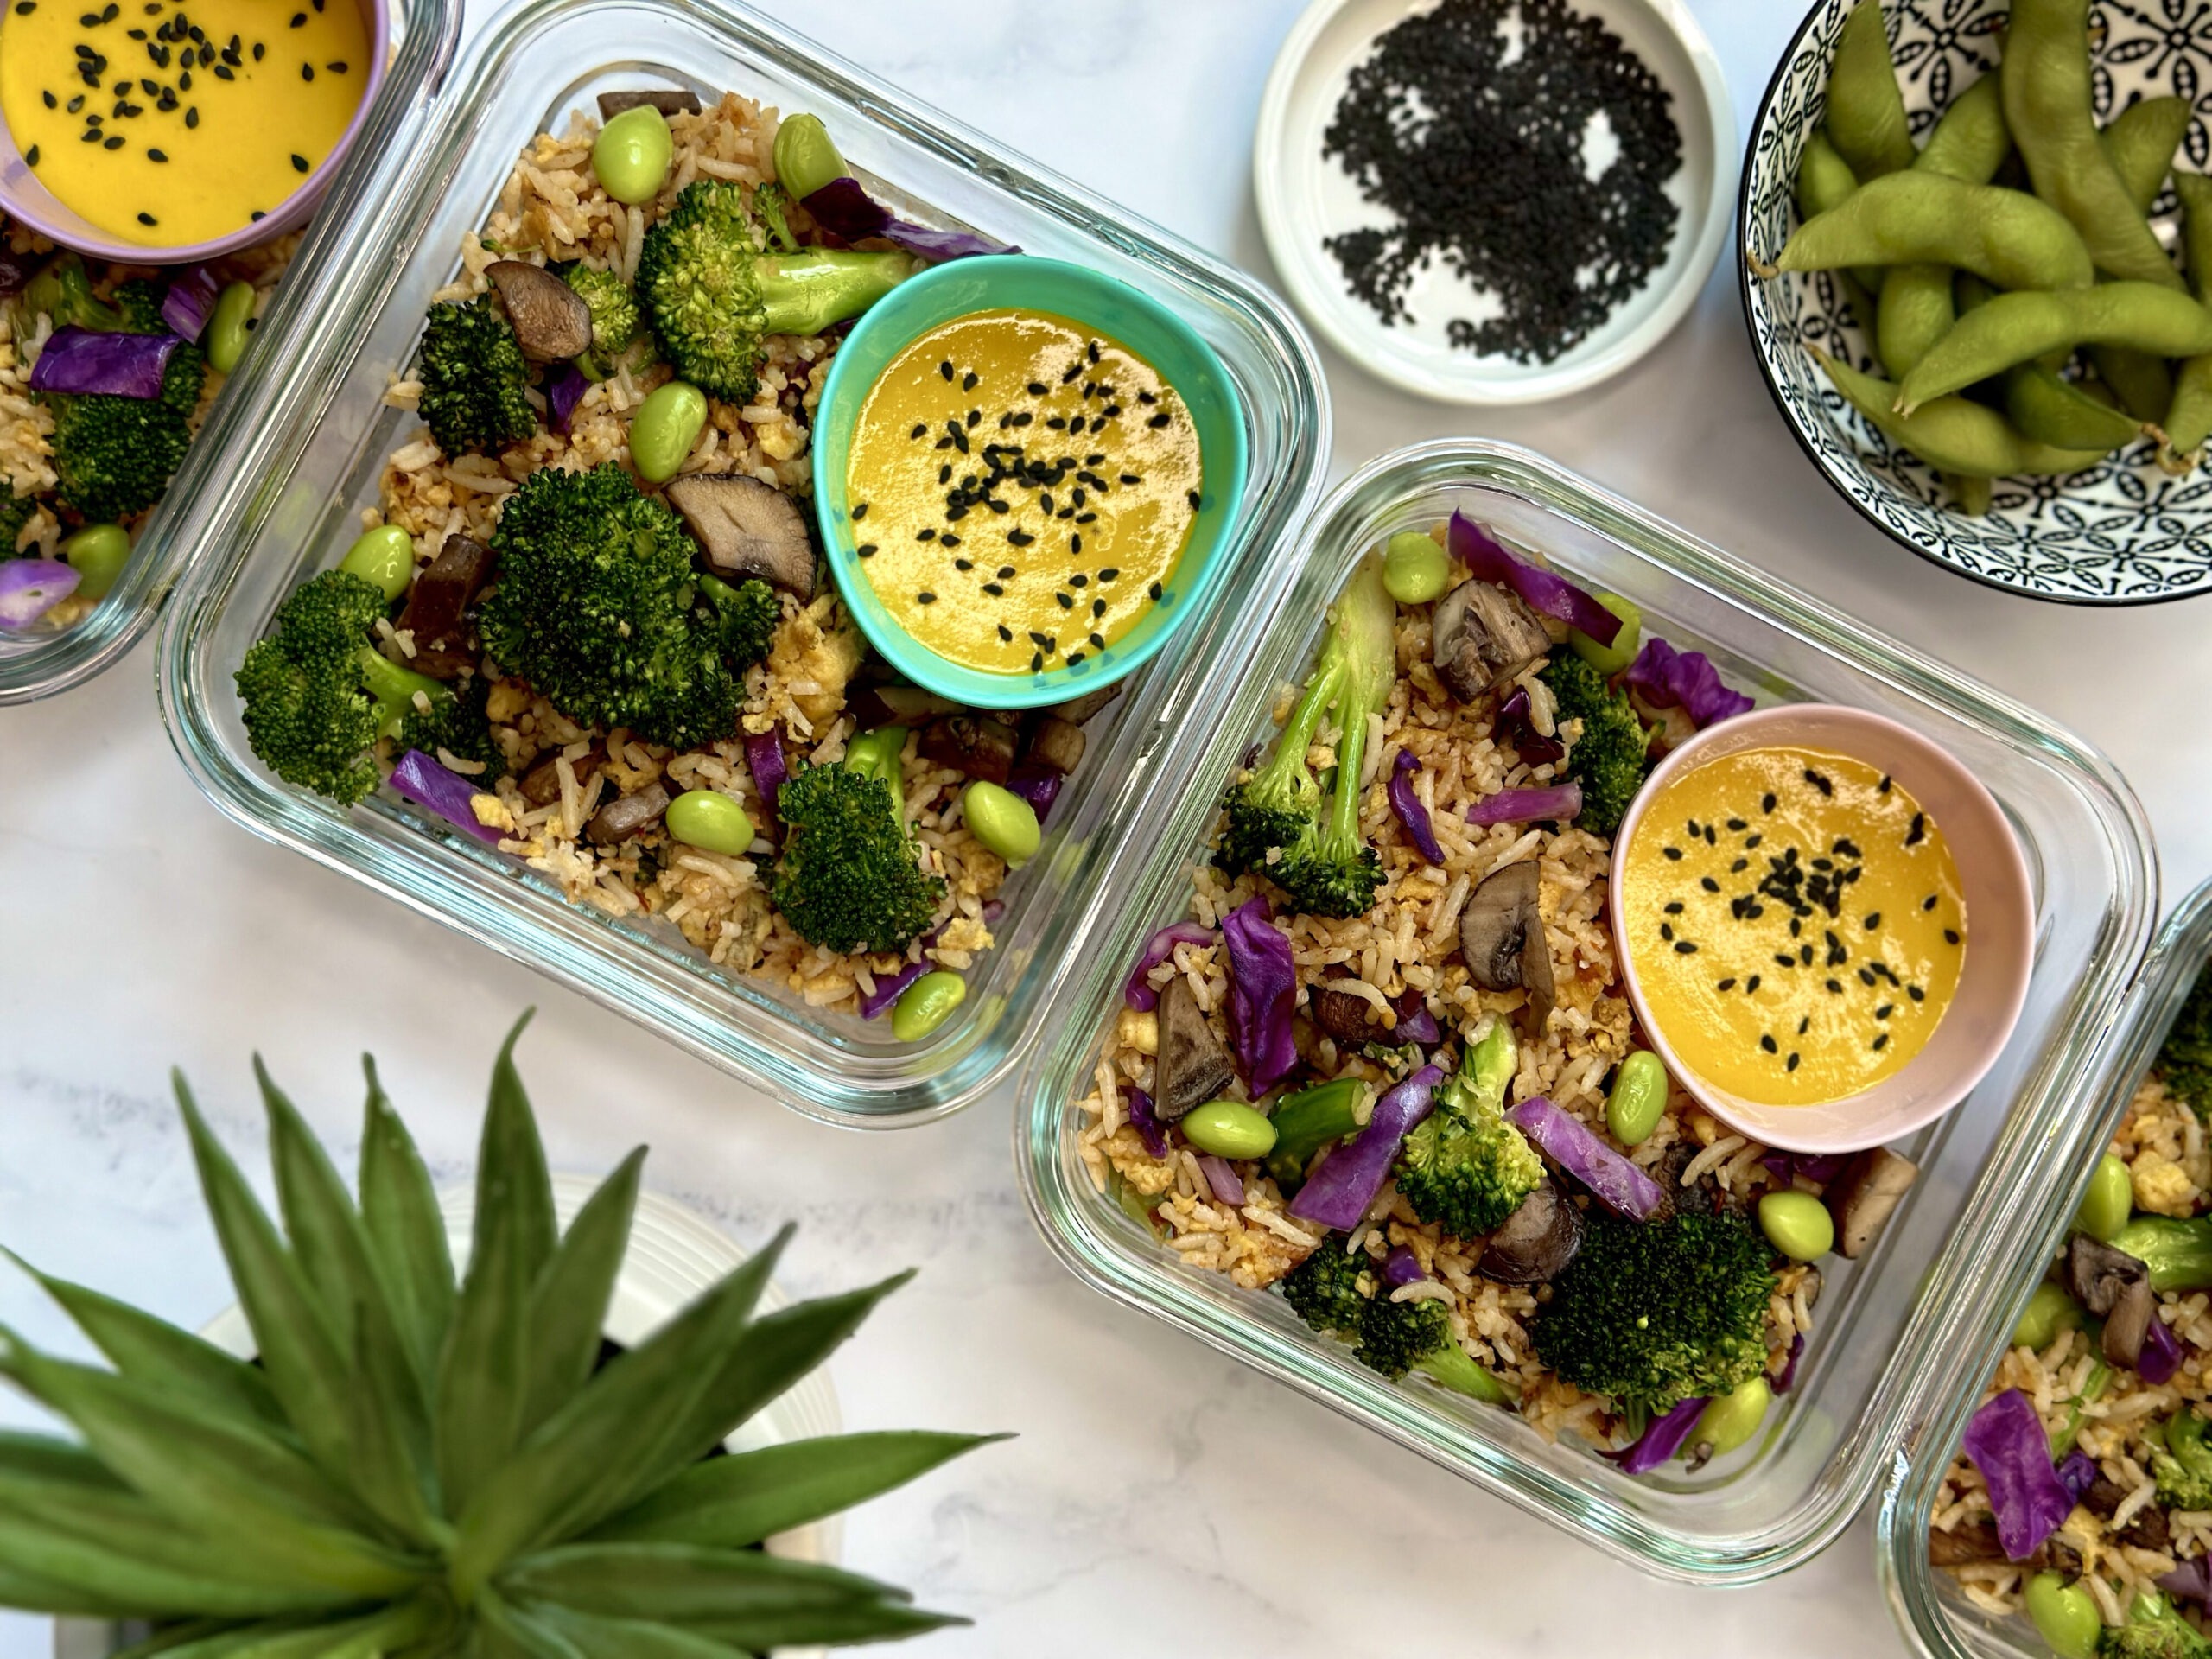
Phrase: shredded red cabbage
pixel 1661 1437
pixel 31 587
pixel 2077 1474
pixel 1788 1377
pixel 1559 801
pixel 190 302
pixel 1615 1182
pixel 1666 678
pixel 1147 1124
pixel 1516 727
pixel 2191 1581
pixel 888 991
pixel 1138 993
pixel 2161 1355
pixel 1822 1166
pixel 565 386
pixel 1345 1179
pixel 80 360
pixel 1222 1179
pixel 1402 1267
pixel 1411 813
pixel 1262 992
pixel 1415 1023
pixel 1038 785
pixel 1545 590
pixel 764 758
pixel 423 781
pixel 2005 1440
pixel 844 208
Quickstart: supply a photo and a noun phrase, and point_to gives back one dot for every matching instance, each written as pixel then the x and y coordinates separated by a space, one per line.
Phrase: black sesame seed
pixel 1154 590
pixel 1158 420
pixel 925 597
pixel 30 156
pixel 1079 579
pixel 1666 930
pixel 1098 640
pixel 1916 992
pixel 1886 1010
pixel 993 590
pixel 1709 884
pixel 1918 833
pixel 963 564
pixel 1836 988
pixel 1093 349
pixel 1929 903
pixel 1792 1065
pixel 1674 854
pixel 968 381
pixel 1038 388
pixel 1019 536
pixel 1684 947
pixel 1036 661
pixel 258 48
pixel 115 142
pixel 223 72
pixel 1766 801
pixel 948 540
pixel 156 155
pixel 1675 908
pixel 1882 788
pixel 945 368
pixel 1728 984
pixel 1752 984
pixel 148 218
pixel 1067 601
pixel 865 551
pixel 1950 935
pixel 52 102
pixel 191 116
pixel 1005 633
pixel 1767 1042
pixel 925 534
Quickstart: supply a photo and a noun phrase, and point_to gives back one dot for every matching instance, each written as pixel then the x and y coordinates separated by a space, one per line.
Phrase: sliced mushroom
pixel 1348 1018
pixel 1057 744
pixel 551 319
pixel 676 103
pixel 975 744
pixel 1537 1241
pixel 1192 1067
pixel 1861 1198
pixel 437 607
pixel 631 815
pixel 747 529
pixel 2116 1287
pixel 541 785
pixel 1968 1544
pixel 1481 636
pixel 1078 711
pixel 2150 1529
pixel 1501 935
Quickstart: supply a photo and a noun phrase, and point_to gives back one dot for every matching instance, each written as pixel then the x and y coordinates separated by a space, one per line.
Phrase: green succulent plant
pixel 418 1467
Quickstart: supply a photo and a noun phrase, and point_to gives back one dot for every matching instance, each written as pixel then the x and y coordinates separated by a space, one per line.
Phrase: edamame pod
pixel 1972 496
pixel 2051 410
pixel 1824 180
pixel 1972 140
pixel 1913 312
pixel 2020 328
pixel 2004 236
pixel 1969 144
pixel 1953 434
pixel 2189 414
pixel 1865 116
pixel 2045 78
pixel 2141 381
pixel 2140 143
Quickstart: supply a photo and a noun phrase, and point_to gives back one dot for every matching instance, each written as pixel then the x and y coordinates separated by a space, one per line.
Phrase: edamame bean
pixel 383 557
pixel 2051 410
pixel 1798 1225
pixel 877 754
pixel 2020 327
pixel 230 326
pixel 1954 435
pixel 632 155
pixel 1866 114
pixel 2141 142
pixel 664 428
pixel 2189 414
pixel 1229 1128
pixel 2065 1614
pixel 1729 1421
pixel 2045 79
pixel 1638 1097
pixel 1915 218
pixel 805 156
pixel 708 819
pixel 926 1004
pixel 2110 1201
pixel 98 553
pixel 1610 660
pixel 2049 1312
pixel 1414 568
pixel 1002 820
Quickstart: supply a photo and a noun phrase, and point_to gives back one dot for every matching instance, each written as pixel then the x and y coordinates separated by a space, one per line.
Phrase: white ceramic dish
pixel 1304 197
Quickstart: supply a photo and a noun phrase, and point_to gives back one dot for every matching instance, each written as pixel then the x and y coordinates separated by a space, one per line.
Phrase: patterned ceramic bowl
pixel 2122 532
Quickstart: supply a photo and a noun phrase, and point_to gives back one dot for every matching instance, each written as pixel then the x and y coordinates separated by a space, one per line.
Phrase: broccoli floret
pixel 614 308
pixel 1612 756
pixel 16 511
pixel 1463 1166
pixel 1395 1338
pixel 2183 1468
pixel 1324 1289
pixel 1652 1313
pixel 139 303
pixel 1323 864
pixel 772 205
pixel 63 291
pixel 713 291
pixel 745 618
pixel 318 696
pixel 114 456
pixel 2153 1631
pixel 2185 1062
pixel 595 607
pixel 474 380
pixel 847 878
pixel 458 724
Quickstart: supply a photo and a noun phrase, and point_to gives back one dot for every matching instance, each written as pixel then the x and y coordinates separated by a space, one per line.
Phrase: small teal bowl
pixel 996 283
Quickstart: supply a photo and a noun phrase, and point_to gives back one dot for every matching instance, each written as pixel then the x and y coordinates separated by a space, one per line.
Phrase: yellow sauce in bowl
pixel 1021 488
pixel 1797 923
pixel 167 125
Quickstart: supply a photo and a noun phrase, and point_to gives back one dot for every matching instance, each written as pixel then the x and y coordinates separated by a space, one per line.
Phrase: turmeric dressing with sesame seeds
pixel 1798 923
pixel 169 124
pixel 1021 488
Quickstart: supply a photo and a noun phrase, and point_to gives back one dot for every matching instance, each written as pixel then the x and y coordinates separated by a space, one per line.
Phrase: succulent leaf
pixel 568 1304
pixel 406 1234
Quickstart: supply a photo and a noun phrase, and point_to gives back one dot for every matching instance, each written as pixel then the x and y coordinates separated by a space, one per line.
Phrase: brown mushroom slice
pixel 541 785
pixel 1502 936
pixel 1480 636
pixel 747 529
pixel 682 102
pixel 1863 1196
pixel 550 319
pixel 1192 1067
pixel 1537 1241
pixel 1078 711
pixel 631 815
pixel 974 744
pixel 1968 1544
pixel 437 607
pixel 1057 744
pixel 1345 1016
pixel 2116 1287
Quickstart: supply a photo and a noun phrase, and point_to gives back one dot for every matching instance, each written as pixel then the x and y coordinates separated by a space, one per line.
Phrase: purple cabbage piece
pixel 2005 1440
pixel 1415 1023
pixel 565 386
pixel 1559 801
pixel 1666 679
pixel 1544 590
pixel 1519 731
pixel 2161 1355
pixel 1138 993
pixel 1147 1124
pixel 190 302
pixel 887 991
pixel 2077 1474
pixel 1788 1377
pixel 1822 1166
pixel 1615 1182
pixel 1262 994
pixel 1223 1180
pixel 31 587
pixel 1402 1267
pixel 423 781
pixel 81 360
pixel 1038 785
pixel 2191 1581
pixel 844 208
pixel 1344 1181
pixel 1661 1439
pixel 764 758
pixel 1411 813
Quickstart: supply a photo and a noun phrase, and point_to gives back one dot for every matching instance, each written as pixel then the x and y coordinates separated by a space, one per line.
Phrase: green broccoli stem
pixel 805 293
pixel 2092 1388
pixel 1487 1068
pixel 876 755
pixel 392 688
pixel 1309 1120
pixel 1457 1369
pixel 1363 639
pixel 2178 1253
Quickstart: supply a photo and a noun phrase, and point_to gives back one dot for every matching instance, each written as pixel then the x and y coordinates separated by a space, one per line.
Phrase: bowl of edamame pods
pixel 1976 257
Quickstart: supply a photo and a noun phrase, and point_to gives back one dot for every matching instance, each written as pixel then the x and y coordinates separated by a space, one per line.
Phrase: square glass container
pixel 1886 1329
pixel 319 444
pixel 35 665
pixel 1937 1620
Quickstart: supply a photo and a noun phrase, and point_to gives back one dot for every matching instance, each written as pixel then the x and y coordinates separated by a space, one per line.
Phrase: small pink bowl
pixel 23 197
pixel 2000 912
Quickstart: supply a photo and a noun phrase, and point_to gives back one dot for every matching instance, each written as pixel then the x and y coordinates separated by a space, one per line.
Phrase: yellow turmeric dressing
pixel 1797 923
pixel 1021 488
pixel 188 120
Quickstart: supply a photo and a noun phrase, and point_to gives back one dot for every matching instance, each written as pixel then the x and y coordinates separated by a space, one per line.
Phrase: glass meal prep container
pixel 1887 1329
pixel 319 441
pixel 35 665
pixel 1935 1615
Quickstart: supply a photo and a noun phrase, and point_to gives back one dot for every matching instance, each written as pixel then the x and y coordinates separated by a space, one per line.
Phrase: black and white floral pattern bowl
pixel 2122 532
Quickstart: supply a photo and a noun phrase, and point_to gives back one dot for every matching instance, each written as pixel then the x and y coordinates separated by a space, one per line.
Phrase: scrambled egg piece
pixel 818 647
pixel 2162 1186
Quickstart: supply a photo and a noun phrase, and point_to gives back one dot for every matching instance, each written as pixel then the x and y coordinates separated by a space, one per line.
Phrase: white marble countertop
pixel 1159 1493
